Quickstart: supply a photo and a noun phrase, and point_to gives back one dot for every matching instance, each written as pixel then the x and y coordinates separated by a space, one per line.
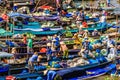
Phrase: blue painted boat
pixel 62 31
pixel 92 73
pixel 50 18
pixel 4 68
pixel 75 73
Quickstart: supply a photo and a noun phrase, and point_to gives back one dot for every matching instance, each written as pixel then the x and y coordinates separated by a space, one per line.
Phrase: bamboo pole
pixel 117 24
pixel 36 5
pixel 83 4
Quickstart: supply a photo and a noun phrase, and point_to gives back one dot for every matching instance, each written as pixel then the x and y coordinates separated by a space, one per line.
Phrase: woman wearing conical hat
pixel 77 41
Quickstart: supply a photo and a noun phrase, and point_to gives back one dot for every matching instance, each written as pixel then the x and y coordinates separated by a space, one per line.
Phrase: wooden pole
pixel 116 24
pixel 83 3
pixel 36 5
pixel 116 18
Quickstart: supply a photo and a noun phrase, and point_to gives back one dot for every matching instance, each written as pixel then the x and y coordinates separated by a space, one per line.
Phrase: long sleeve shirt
pixel 112 51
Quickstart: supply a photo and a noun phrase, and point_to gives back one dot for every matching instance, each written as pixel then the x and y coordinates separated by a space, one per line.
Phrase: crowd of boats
pixel 64 43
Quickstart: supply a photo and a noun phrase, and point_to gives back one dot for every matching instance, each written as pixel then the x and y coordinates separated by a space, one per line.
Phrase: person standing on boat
pixel 31 61
pixel 56 43
pixel 25 39
pixel 64 49
pixel 85 34
pixel 49 51
pixel 29 45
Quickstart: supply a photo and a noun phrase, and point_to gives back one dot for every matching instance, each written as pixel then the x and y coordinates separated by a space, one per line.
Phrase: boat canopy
pixel 5 54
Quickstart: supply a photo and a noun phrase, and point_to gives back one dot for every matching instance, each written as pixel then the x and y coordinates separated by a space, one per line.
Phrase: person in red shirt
pixel 24 39
pixel 84 23
pixel 64 12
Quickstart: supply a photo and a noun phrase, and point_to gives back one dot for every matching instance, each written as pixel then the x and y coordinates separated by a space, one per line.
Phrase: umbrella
pixel 46 7
pixel 5 54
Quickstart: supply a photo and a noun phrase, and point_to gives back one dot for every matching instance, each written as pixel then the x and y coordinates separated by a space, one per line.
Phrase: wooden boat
pixel 90 29
pixel 3 66
pixel 92 73
pixel 47 18
pixel 66 72
pixel 74 72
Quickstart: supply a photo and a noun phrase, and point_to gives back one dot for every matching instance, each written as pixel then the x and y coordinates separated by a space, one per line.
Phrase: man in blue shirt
pixel 31 61
pixel 57 43
pixel 49 51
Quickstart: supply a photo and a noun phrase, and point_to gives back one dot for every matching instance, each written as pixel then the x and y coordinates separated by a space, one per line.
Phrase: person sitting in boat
pixel 95 33
pixel 85 34
pixel 15 7
pixel 77 40
pixel 103 19
pixel 64 12
pixel 11 60
pixel 104 13
pixel 31 61
pixel 52 75
pixel 110 41
pixel 64 49
pixel 86 43
pixel 85 25
pixel 81 14
pixel 118 50
pixel 112 53
pixel 86 54
pixel 14 51
pixel 39 58
pixel 97 50
pixel 3 60
pixel 80 26
pixel 49 51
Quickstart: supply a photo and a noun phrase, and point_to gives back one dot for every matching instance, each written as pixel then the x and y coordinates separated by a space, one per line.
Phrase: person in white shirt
pixel 102 18
pixel 112 53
